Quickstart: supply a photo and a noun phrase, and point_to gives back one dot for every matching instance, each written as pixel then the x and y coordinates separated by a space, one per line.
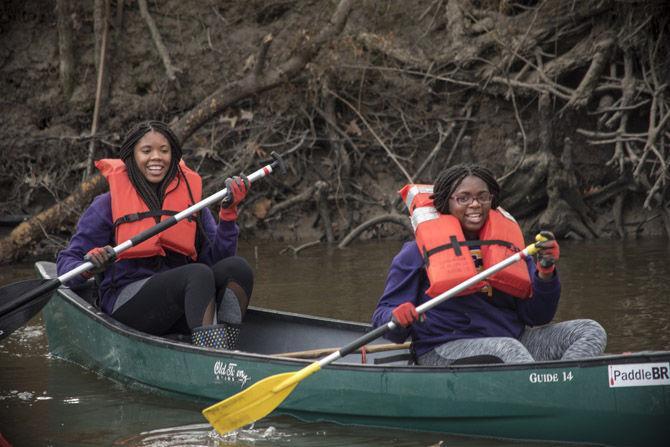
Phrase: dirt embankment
pixel 566 102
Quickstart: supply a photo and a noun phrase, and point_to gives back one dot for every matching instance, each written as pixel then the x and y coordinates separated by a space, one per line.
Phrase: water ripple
pixel 280 433
pixel 27 341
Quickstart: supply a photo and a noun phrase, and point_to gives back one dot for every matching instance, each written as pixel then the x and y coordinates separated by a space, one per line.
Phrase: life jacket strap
pixel 456 245
pixel 134 217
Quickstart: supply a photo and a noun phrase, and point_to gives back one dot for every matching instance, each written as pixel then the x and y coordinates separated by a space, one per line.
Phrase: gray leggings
pixel 568 340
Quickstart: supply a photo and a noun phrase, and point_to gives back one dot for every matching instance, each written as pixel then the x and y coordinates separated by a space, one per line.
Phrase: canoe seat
pixel 474 360
pixel 478 360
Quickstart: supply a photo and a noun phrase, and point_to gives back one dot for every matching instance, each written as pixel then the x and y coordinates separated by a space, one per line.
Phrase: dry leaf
pixel 262 207
pixel 353 129
pixel 230 119
pixel 205 152
pixel 256 149
pixel 246 115
pixel 249 63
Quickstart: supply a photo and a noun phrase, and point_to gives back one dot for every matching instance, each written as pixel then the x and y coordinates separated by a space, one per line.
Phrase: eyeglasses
pixel 483 198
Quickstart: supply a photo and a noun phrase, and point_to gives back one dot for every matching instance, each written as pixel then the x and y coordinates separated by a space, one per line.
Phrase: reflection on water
pixel 341 284
pixel 622 285
pixel 46 401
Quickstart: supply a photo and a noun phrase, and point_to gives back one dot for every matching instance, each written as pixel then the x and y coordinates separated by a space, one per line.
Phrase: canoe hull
pixel 557 401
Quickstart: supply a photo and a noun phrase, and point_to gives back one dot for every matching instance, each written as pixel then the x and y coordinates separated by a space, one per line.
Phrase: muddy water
pixel 46 401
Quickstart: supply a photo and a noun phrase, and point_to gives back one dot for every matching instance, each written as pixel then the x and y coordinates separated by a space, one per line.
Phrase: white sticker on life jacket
pixel 414 191
pixel 639 374
pixel 423 214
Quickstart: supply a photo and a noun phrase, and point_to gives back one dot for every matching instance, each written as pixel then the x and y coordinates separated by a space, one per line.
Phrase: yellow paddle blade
pixel 255 402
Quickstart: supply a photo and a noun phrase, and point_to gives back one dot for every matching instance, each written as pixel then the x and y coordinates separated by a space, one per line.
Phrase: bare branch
pixel 170 69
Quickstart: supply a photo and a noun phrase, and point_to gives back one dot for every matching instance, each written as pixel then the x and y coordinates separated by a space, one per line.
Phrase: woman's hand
pixel 405 314
pixel 99 257
pixel 548 255
pixel 237 188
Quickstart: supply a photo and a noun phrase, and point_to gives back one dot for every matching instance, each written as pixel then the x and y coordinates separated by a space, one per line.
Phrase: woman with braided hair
pixel 460 230
pixel 187 279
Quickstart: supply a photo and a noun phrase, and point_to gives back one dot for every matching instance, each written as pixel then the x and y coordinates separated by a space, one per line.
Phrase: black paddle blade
pixel 21 301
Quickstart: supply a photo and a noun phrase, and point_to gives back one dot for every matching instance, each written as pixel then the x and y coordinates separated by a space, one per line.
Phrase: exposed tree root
pixel 397 219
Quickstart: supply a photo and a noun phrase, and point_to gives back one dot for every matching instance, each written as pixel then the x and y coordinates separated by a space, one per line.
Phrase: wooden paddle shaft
pixel 316 353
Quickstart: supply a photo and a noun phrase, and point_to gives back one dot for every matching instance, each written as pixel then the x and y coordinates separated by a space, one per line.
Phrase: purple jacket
pixel 469 316
pixel 95 229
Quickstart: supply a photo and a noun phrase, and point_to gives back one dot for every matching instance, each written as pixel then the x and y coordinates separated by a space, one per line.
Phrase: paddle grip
pixel 364 340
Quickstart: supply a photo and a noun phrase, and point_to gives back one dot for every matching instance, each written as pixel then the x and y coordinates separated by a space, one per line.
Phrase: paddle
pixel 33 295
pixel 262 397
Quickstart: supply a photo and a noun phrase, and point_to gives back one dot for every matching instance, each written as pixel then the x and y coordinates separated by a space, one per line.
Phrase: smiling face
pixel 152 156
pixel 473 215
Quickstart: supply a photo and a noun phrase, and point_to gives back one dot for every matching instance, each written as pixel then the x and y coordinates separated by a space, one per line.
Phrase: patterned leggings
pixel 568 340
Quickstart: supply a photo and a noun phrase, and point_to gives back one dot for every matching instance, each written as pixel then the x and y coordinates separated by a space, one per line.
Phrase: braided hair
pixel 152 195
pixel 448 181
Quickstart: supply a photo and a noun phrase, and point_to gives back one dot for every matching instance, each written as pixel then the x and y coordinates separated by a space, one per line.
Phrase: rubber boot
pixel 219 336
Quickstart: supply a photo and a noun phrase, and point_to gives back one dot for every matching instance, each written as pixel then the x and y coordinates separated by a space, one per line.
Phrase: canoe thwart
pixel 315 353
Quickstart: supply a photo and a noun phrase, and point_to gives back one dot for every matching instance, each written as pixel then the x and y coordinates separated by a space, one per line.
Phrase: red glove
pixel 405 314
pixel 549 253
pixel 237 190
pixel 99 257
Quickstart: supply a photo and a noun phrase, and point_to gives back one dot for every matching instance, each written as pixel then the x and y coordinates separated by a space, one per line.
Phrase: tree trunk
pixel 66 68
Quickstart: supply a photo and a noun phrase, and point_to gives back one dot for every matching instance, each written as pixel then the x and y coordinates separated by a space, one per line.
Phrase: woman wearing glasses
pixel 460 230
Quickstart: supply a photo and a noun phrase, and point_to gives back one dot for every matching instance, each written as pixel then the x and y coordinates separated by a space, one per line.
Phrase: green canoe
pixel 613 400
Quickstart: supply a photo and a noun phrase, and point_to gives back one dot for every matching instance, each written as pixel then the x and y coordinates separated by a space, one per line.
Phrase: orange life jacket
pixel 447 254
pixel 131 215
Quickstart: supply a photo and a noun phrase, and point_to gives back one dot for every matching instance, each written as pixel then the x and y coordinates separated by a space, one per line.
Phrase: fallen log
pixel 37 227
